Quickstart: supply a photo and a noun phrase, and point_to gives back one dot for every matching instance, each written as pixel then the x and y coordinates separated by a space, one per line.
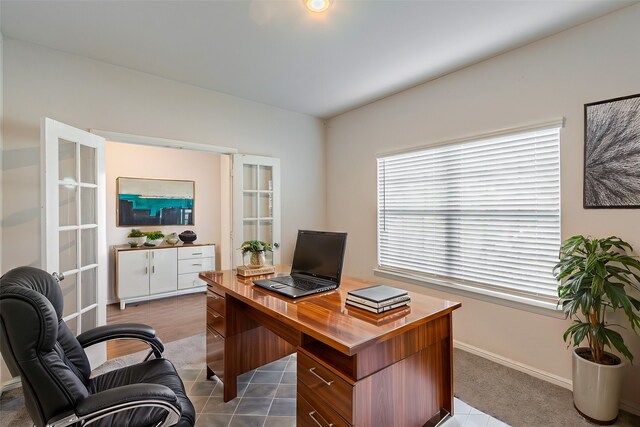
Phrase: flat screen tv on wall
pixel 143 201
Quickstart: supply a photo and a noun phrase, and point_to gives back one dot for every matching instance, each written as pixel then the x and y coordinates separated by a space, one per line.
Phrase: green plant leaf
pixel 615 340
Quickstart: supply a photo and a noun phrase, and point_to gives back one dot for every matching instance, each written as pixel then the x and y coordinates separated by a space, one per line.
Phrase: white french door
pixel 256 204
pixel 74 239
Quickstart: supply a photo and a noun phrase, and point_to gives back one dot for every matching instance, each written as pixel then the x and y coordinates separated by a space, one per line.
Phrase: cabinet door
pixel 133 274
pixel 164 270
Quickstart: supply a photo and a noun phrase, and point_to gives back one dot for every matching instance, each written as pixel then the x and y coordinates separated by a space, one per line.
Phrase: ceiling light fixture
pixel 317 5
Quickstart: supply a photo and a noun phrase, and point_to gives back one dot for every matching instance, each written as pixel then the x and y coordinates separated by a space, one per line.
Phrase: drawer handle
pixel 197 264
pixel 313 371
pixel 315 420
pixel 197 253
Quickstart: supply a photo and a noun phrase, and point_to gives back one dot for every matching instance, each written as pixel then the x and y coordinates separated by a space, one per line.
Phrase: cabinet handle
pixel 313 371
pixel 316 421
pixel 153 269
pixel 146 270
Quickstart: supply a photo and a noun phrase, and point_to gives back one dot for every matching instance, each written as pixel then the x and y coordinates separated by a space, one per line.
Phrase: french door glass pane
pixel 87 164
pixel 250 177
pixel 266 205
pixel 88 320
pixel 68 250
pixel 266 231
pixel 68 205
pixel 250 209
pixel 88 255
pixel 66 160
pixel 88 208
pixel 266 178
pixel 89 284
pixel 69 288
pixel 73 325
pixel 250 230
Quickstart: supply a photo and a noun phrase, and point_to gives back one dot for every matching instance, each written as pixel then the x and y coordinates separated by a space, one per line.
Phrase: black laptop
pixel 317 265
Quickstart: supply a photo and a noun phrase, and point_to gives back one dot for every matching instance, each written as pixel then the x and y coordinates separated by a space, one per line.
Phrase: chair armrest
pixel 128 396
pixel 120 399
pixel 136 331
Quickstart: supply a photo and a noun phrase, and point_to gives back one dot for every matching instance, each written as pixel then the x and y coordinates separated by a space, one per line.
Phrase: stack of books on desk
pixel 378 299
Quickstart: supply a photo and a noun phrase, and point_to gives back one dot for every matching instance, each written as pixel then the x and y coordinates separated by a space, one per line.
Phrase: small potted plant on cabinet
pixel 154 238
pixel 257 250
pixel 595 275
pixel 136 238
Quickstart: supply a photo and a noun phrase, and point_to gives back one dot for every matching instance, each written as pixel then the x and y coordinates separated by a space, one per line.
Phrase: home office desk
pixel 354 368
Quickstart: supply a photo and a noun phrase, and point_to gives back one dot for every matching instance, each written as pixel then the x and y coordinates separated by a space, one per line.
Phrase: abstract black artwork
pixel 612 153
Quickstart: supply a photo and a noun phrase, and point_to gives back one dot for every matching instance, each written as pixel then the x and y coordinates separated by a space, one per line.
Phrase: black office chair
pixel 38 345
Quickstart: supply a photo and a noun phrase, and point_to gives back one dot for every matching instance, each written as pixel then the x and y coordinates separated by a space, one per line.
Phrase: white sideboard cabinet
pixel 152 272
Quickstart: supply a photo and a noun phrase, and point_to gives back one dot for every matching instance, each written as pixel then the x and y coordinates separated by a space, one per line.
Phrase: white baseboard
pixel 10 385
pixel 534 372
pixel 633 408
pixel 625 405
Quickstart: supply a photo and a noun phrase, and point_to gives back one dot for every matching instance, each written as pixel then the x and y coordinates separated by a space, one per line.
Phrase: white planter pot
pixel 597 389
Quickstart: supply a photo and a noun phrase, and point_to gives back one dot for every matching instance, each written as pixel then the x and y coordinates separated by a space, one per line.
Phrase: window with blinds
pixel 482 215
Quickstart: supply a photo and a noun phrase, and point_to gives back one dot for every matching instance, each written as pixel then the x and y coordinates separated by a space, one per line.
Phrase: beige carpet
pixel 516 398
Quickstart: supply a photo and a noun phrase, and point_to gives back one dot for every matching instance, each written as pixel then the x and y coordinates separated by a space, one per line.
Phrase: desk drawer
pixel 196 252
pixel 215 353
pixel 215 321
pixel 326 385
pixel 190 280
pixel 195 265
pixel 215 302
pixel 312 415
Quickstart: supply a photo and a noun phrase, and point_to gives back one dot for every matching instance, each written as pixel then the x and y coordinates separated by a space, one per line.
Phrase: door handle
pixel 58 276
pixel 276 245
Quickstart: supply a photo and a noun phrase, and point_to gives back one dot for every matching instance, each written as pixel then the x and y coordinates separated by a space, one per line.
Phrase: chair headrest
pixel 37 280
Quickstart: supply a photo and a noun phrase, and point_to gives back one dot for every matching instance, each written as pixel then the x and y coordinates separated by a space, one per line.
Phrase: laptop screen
pixel 319 254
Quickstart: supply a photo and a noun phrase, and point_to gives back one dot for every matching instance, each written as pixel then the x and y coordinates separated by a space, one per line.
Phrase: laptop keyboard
pixel 298 283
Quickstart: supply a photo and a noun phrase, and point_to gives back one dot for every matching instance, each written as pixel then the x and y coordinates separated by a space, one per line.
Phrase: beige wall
pixel 93 95
pixel 545 80
pixel 138 161
pixel 88 94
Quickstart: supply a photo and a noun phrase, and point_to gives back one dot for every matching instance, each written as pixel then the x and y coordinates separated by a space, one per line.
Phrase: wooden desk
pixel 354 368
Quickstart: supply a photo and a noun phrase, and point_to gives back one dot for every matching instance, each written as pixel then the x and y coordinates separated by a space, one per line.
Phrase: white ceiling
pixel 278 53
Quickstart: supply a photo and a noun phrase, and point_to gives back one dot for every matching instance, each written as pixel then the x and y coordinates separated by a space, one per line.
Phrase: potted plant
pixel 136 238
pixel 595 275
pixel 257 250
pixel 154 238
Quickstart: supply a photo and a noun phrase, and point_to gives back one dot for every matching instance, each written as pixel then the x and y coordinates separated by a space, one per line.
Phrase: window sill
pixel 513 301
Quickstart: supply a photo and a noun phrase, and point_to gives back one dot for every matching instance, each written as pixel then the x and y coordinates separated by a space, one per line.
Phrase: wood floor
pixel 172 318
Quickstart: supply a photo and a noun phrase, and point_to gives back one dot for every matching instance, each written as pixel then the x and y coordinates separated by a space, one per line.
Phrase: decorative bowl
pixel 136 241
pixel 172 239
pixel 154 242
pixel 188 236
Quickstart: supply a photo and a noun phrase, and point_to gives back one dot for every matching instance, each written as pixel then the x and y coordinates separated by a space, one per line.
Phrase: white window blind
pixel 480 214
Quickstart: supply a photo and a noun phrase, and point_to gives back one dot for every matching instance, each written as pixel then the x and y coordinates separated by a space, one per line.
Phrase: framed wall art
pixel 143 201
pixel 612 153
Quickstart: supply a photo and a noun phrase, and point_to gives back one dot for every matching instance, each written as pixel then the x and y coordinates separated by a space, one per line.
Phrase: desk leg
pixel 248 345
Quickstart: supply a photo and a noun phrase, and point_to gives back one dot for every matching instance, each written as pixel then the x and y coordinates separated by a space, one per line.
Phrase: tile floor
pixel 468 416
pixel 267 398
